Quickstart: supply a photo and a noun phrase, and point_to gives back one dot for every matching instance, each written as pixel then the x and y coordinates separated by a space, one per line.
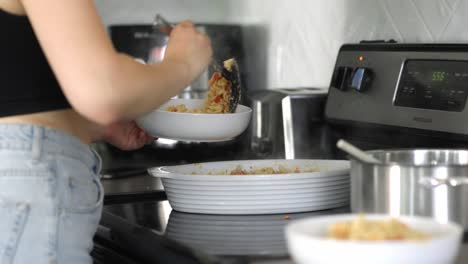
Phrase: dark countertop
pixel 141 201
pixel 142 182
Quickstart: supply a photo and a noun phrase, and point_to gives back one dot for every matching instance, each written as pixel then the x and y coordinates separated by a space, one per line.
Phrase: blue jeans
pixel 50 196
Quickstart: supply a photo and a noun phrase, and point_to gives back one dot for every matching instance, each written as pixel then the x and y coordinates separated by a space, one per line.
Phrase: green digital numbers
pixel 438 76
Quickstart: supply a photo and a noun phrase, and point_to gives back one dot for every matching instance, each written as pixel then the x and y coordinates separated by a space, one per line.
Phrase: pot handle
pixel 431 182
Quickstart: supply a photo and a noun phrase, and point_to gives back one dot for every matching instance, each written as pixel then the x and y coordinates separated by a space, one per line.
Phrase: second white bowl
pixel 307 243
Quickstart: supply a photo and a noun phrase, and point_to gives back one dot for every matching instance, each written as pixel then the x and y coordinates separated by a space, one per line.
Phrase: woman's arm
pixel 101 84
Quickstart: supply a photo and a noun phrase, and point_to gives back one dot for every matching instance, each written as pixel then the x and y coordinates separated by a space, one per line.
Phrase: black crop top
pixel 27 82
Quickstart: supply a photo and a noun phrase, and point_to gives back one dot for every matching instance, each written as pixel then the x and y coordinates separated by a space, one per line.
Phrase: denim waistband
pixel 39 140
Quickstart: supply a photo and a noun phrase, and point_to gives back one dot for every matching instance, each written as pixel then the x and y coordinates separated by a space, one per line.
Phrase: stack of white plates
pixel 246 235
pixel 205 188
pixel 229 234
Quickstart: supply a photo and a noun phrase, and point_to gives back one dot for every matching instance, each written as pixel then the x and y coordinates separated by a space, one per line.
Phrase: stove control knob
pixel 340 78
pixel 360 79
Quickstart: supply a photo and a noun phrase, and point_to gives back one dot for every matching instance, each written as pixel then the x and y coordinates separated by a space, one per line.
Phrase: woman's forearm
pixel 127 89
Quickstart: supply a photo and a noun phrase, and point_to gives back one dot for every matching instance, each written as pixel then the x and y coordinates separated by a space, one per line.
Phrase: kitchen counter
pixel 140 201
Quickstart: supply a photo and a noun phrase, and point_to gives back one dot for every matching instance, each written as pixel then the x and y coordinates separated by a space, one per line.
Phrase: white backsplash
pixel 303 36
pixel 143 11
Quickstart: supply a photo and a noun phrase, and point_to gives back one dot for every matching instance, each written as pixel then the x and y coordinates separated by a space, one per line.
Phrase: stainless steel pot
pixel 417 182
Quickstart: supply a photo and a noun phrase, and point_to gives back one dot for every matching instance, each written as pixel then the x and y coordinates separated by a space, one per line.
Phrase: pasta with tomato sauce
pixel 239 170
pixel 218 95
pixel 217 100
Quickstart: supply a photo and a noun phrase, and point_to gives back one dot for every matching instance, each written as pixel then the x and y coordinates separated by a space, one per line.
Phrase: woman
pixel 64 86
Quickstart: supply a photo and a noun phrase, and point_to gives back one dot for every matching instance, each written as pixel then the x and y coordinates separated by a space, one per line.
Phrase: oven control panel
pixel 422 86
pixel 433 84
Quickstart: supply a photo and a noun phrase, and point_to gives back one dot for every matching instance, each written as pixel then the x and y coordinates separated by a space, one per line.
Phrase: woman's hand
pixel 190 47
pixel 127 136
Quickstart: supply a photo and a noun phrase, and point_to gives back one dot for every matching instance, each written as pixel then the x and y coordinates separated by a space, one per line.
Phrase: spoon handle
pixel 355 152
pixel 162 25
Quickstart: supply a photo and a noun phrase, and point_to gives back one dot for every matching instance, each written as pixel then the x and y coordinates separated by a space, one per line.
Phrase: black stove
pixel 416 98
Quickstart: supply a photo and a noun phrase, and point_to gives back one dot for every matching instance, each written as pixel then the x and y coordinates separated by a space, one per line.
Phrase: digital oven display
pixel 433 84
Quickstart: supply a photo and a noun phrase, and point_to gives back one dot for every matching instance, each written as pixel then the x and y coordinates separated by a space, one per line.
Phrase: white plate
pixel 193 126
pixel 258 210
pixel 327 187
pixel 264 203
pixel 256 187
pixel 307 243
pixel 235 197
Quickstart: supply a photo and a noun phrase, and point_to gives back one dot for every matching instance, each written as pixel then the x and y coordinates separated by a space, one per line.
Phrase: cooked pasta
pixel 239 170
pixel 263 170
pixel 374 230
pixel 217 100
pixel 182 109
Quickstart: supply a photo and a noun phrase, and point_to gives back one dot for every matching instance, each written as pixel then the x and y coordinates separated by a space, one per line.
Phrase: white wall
pixel 143 11
pixel 304 35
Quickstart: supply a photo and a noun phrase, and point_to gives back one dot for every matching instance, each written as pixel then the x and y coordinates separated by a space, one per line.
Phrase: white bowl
pixel 307 243
pixel 195 126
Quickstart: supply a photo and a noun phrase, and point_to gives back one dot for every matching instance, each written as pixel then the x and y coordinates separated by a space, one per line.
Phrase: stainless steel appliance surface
pixel 409 86
pixel 367 104
pixel 418 182
pixel 289 123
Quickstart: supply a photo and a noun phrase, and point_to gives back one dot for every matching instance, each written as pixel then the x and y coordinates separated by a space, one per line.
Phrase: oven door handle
pixel 431 182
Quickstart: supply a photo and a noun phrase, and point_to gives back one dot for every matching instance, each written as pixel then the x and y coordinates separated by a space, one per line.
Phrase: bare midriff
pixel 66 120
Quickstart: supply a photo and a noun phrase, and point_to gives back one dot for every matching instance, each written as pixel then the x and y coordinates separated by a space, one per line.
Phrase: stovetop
pixel 151 232
pixel 139 226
